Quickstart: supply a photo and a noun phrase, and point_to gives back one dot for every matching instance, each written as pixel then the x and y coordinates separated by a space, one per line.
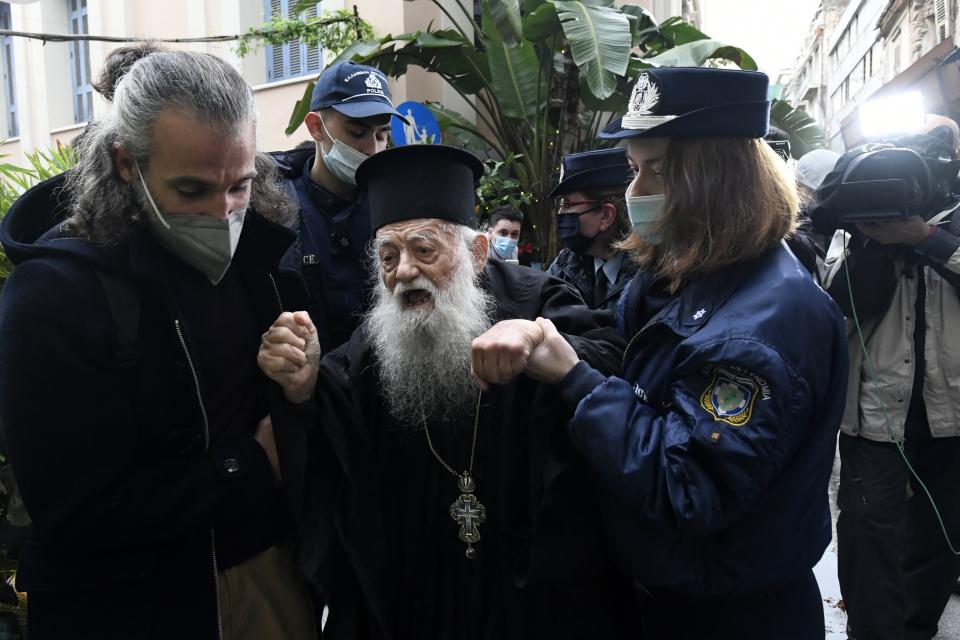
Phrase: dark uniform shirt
pixel 330 253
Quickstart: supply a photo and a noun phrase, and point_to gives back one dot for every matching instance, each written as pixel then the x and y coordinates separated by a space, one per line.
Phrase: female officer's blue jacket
pixel 715 448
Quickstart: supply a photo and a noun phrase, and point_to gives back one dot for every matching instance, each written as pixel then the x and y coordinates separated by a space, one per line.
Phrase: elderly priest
pixel 429 507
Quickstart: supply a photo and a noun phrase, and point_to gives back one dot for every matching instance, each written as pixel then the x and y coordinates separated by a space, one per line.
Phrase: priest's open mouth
pixel 416 298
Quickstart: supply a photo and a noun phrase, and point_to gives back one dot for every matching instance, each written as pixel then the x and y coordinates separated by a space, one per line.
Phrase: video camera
pixel 880 182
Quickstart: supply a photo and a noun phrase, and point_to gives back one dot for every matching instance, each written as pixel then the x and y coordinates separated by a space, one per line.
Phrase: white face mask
pixel 645 212
pixel 205 243
pixel 342 160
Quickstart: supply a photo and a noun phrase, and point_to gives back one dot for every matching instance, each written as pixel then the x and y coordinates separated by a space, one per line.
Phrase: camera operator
pixel 898 279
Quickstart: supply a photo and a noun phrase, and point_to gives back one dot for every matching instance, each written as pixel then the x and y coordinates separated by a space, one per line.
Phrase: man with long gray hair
pixel 142 286
pixel 433 505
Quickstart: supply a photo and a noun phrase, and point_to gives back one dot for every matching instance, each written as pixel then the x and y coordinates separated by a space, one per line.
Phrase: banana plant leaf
pixel 541 23
pixel 452 124
pixel 445 52
pixel 679 32
pixel 359 50
pixel 805 133
pixel 694 54
pixel 505 15
pixel 642 22
pixel 514 75
pixel 600 41
pixel 300 109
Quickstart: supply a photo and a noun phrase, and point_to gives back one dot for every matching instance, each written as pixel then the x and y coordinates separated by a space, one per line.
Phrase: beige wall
pixel 64 135
pixel 43 84
pixel 10 150
pixel 44 93
pixel 387 17
pixel 274 105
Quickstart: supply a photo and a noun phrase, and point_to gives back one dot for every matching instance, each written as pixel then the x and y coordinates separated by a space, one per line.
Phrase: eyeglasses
pixel 564 209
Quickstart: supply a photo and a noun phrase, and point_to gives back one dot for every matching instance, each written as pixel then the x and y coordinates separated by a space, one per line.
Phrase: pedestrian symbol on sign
pixel 421 127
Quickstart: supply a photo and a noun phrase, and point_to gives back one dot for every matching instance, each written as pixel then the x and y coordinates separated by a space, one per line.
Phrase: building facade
pixel 868 49
pixel 854 62
pixel 48 95
pixel 805 87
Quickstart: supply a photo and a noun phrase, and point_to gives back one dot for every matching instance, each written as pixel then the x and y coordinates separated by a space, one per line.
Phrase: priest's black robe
pixel 377 539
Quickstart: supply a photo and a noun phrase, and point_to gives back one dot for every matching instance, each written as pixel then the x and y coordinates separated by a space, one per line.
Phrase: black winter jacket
pixel 114 457
pixel 578 271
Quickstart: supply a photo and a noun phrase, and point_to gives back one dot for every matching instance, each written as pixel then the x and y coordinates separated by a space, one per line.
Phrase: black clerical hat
pixel 593 170
pixel 694 102
pixel 421 181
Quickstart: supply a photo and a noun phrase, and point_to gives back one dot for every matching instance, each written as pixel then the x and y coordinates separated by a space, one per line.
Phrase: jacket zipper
pixel 626 352
pixel 276 291
pixel 655 320
pixel 206 446
pixel 196 386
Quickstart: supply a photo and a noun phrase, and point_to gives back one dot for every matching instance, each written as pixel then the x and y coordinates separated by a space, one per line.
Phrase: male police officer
pixel 590 220
pixel 349 120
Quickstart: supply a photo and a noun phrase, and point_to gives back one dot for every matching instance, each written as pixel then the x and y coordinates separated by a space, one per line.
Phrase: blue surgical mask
pixel 645 213
pixel 342 160
pixel 504 246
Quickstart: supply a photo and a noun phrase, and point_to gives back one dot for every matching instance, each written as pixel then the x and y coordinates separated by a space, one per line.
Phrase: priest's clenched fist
pixel 501 354
pixel 290 355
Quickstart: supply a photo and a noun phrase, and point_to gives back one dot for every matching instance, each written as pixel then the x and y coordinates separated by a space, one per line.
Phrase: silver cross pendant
pixel 469 513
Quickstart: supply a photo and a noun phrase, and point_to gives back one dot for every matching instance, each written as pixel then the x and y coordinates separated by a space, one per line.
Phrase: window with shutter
pixel 9 91
pixel 80 62
pixel 291 59
pixel 942 16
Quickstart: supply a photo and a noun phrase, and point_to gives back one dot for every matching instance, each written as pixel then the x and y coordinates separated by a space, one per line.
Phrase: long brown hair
pixel 727 200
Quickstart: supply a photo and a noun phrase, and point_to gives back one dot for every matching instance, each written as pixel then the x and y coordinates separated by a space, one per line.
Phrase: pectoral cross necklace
pixel 466 510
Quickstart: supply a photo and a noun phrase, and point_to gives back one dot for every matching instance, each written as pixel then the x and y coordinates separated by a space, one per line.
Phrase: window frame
pixel 82 85
pixel 9 73
pixel 295 57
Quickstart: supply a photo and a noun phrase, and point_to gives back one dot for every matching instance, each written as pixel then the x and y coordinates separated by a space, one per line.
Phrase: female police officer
pixel 714 447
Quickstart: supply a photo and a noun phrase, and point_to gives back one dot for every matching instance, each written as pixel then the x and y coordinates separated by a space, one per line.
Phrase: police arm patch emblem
pixel 730 396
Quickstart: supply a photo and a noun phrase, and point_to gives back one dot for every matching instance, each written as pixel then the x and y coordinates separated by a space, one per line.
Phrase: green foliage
pixel 600 41
pixel 547 76
pixel 14 180
pixel 504 15
pixel 697 52
pixel 805 133
pixel 331 30
pixel 497 188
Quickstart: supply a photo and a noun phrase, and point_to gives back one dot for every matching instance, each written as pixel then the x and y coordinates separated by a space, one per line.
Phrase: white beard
pixel 423 353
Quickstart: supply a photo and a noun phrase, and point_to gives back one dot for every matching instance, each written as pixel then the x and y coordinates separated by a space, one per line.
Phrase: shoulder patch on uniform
pixel 731 394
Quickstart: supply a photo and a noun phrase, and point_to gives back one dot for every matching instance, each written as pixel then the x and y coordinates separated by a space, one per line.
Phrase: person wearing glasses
pixel 591 220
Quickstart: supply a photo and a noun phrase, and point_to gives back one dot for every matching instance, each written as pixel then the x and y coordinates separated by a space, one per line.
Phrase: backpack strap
pixel 125 308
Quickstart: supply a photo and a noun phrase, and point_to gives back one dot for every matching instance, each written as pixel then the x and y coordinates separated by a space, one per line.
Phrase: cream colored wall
pixel 43 85
pixel 387 17
pixel 10 150
pixel 64 135
pixel 249 15
pixel 274 105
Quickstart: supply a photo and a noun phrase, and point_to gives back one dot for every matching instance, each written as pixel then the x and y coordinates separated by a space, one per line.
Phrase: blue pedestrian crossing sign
pixel 421 128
